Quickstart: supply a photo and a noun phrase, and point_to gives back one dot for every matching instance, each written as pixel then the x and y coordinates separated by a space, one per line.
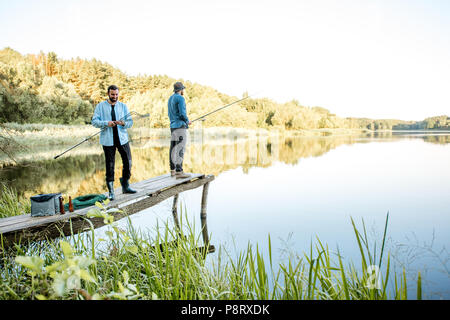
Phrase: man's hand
pixel 190 122
pixel 120 122
pixel 111 123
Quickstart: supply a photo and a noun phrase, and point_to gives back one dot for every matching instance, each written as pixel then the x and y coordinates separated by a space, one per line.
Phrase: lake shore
pixel 51 134
pixel 47 140
pixel 30 139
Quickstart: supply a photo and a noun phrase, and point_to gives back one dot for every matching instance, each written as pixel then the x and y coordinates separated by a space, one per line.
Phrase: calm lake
pixel 293 188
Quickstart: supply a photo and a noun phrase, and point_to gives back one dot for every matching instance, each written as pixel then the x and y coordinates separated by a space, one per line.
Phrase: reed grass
pixel 42 134
pixel 10 203
pixel 164 264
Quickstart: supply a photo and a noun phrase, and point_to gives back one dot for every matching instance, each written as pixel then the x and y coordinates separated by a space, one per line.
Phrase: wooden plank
pixel 76 222
pixel 21 221
pixel 154 186
pixel 36 222
pixel 139 185
pixel 12 220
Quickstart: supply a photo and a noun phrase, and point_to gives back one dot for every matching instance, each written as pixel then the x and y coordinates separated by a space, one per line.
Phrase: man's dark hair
pixel 112 87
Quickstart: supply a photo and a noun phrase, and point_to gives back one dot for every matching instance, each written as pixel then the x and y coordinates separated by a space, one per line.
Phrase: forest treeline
pixel 42 88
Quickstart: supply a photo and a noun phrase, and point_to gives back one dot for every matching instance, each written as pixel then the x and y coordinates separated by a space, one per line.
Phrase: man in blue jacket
pixel 113 117
pixel 179 123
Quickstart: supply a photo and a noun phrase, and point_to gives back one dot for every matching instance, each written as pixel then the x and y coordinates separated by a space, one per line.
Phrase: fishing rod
pixel 139 116
pixel 226 106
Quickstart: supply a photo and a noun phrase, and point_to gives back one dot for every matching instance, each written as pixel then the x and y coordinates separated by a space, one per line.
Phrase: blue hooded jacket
pixel 177 111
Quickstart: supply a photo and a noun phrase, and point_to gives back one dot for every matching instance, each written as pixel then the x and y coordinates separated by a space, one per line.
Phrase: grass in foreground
pixel 163 265
pixel 11 204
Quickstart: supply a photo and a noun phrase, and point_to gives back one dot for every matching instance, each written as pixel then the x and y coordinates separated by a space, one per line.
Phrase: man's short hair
pixel 112 87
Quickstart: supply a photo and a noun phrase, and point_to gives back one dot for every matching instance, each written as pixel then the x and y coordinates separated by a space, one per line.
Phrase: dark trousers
pixel 110 159
pixel 177 146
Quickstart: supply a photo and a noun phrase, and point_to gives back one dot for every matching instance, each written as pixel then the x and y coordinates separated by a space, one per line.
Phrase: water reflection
pixel 82 170
pixel 410 179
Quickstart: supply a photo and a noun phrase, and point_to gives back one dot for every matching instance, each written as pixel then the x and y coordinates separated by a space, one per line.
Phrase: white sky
pixel 362 58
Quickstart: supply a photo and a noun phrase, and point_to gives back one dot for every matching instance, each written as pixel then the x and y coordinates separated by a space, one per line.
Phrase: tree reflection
pixel 83 172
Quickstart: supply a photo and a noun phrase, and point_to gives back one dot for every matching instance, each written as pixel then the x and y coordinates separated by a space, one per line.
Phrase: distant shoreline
pixel 42 141
pixel 51 134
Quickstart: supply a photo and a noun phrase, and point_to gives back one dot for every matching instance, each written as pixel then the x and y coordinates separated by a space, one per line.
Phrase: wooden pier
pixel 24 228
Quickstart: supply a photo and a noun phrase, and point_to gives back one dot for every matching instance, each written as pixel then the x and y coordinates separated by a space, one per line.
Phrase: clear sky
pixel 363 58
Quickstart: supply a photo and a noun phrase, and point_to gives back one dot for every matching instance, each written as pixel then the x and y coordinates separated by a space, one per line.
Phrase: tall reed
pixel 165 264
pixel 10 203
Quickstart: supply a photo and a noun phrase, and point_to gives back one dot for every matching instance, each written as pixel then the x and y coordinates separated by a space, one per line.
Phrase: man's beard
pixel 113 99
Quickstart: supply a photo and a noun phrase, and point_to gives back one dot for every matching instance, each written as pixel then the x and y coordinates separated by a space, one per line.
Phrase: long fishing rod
pixel 146 116
pixel 226 106
pixel 140 116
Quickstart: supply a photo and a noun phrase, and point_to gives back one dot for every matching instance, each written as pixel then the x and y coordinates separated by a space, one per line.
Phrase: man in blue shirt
pixel 179 123
pixel 113 117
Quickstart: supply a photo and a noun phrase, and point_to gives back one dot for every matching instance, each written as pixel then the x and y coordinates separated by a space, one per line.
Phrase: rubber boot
pixel 110 185
pixel 126 186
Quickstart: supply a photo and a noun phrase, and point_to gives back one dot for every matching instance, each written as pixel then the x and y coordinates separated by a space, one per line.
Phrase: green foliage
pixel 69 273
pixel 166 265
pixel 61 277
pixel 62 102
pixel 439 122
pixel 44 88
pixel 10 203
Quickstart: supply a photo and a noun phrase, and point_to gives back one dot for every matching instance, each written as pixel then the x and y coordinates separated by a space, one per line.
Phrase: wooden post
pixel 203 215
pixel 175 214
